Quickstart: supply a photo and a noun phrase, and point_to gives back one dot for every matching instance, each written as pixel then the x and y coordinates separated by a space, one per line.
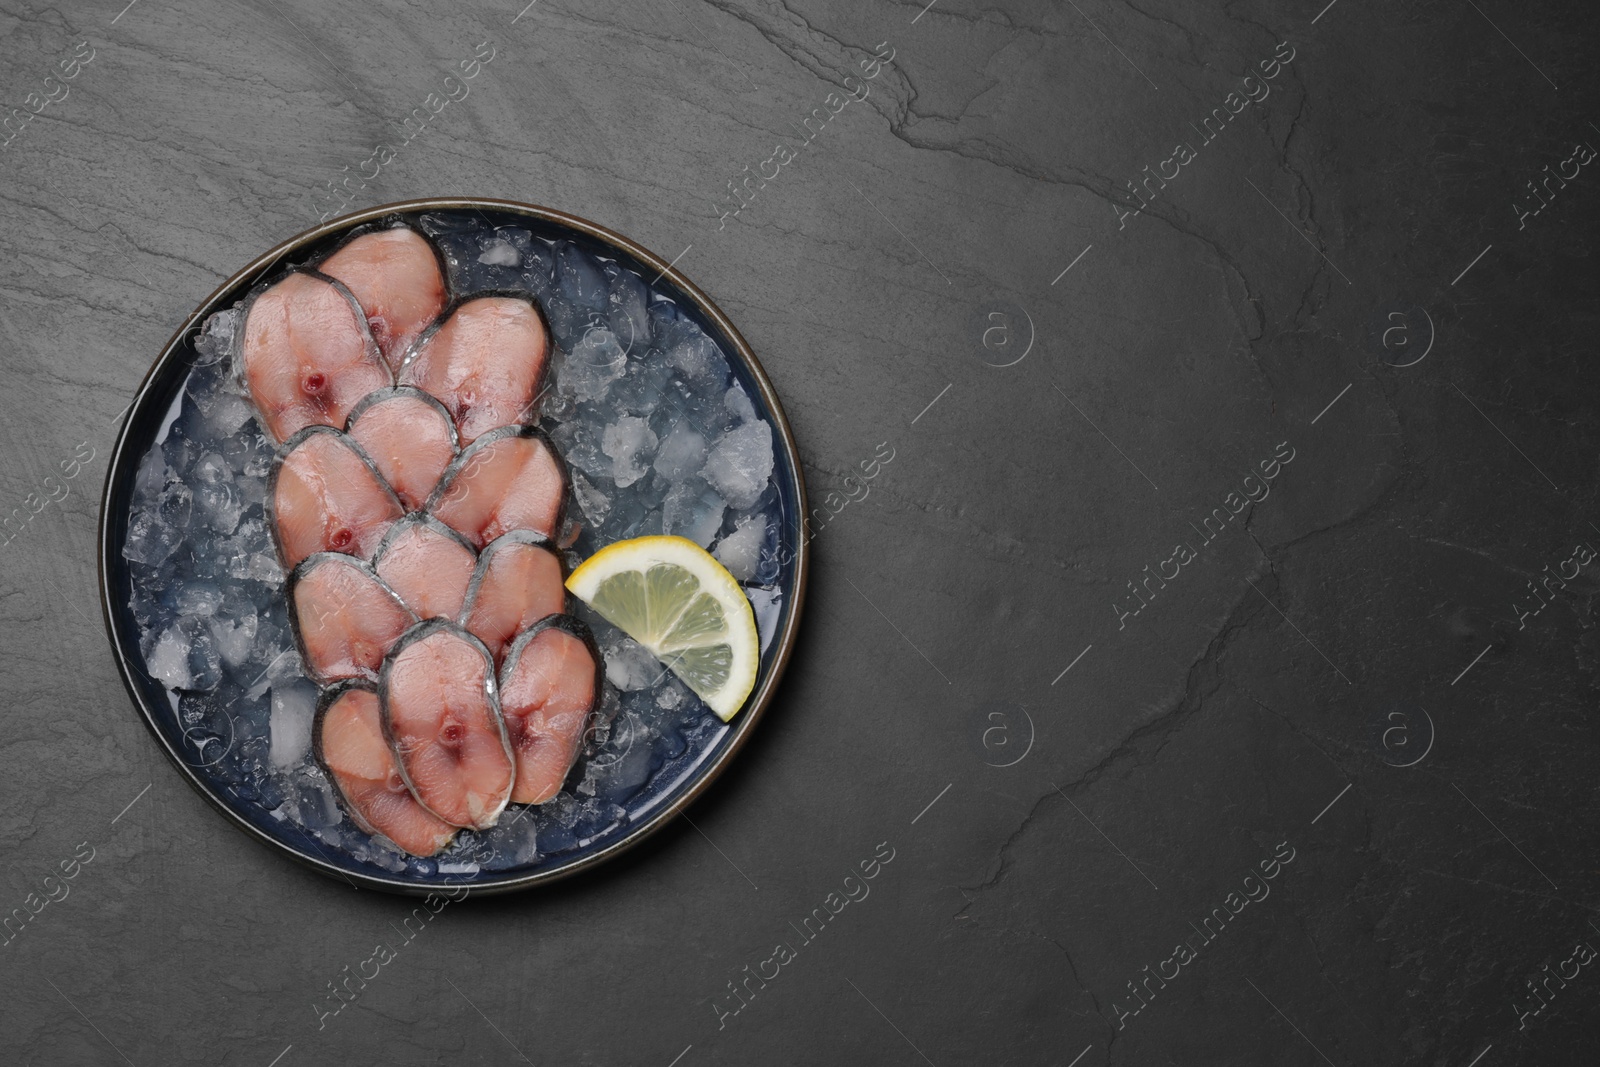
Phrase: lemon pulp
pixel 675 599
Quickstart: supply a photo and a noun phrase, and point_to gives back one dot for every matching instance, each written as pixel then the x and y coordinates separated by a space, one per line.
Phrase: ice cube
pixel 579 278
pixel 630 666
pixel 212 469
pixel 702 405
pixel 740 551
pixel 523 848
pixel 202 391
pixel 199 598
pixel 741 463
pixel 264 568
pixel 670 695
pixel 294 704
pixel 616 779
pixel 682 453
pixel 514 842
pixel 629 516
pixel 216 337
pixel 260 462
pixel 238 562
pixel 592 364
pixel 180 451
pixel 556 822
pixel 693 510
pixel 228 414
pixel 501 253
pixel 629 442
pixel 698 359
pixel 628 311
pixel 595 817
pixel 584 453
pixel 283 667
pixel 738 403
pixel 540 260
pixel 568 321
pixel 244 452
pixel 150 541
pixel 168 661
pixel 176 505
pixel 152 476
pixel 314 805
pixel 184 656
pixel 652 490
pixel 205 661
pixel 218 506
pixel 234 638
pixel 644 388
pixel 591 500
pixel 252 492
pixel 557 408
pixel 389 858
pixel 665 322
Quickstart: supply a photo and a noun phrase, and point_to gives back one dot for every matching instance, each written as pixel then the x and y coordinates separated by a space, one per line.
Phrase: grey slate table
pixel 1215 661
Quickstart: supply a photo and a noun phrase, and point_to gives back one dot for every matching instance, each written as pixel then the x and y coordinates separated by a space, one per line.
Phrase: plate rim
pixel 785 638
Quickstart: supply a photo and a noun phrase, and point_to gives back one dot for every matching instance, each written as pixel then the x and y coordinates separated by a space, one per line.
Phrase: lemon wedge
pixel 671 596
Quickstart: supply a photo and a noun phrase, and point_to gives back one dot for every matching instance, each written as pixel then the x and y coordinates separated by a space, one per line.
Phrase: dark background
pixel 1343 669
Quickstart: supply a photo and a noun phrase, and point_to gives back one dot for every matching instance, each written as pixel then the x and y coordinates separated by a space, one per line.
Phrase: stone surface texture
pixel 1074 758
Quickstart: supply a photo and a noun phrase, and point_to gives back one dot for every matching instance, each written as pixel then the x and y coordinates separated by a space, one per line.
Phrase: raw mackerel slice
pixel 428 565
pixel 395 277
pixel 442 719
pixel 325 495
pixel 512 479
pixel 549 686
pixel 485 363
pixel 307 355
pixel 345 619
pixel 409 437
pixel 348 743
pixel 518 581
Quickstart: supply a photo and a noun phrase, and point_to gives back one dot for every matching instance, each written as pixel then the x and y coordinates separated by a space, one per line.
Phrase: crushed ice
pixel 660 438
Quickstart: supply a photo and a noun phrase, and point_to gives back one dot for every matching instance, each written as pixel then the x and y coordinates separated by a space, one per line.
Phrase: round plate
pixel 670 783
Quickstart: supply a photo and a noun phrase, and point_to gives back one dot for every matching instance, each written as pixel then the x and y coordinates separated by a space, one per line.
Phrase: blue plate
pixel 198 624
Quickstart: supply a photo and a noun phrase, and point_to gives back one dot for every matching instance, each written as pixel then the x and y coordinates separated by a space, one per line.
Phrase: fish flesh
pixel 349 745
pixel 511 479
pixel 518 581
pixel 345 619
pixel 485 363
pixel 550 685
pixel 306 355
pixel 442 717
pixel 414 509
pixel 325 495
pixel 395 276
pixel 428 565
pixel 409 437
